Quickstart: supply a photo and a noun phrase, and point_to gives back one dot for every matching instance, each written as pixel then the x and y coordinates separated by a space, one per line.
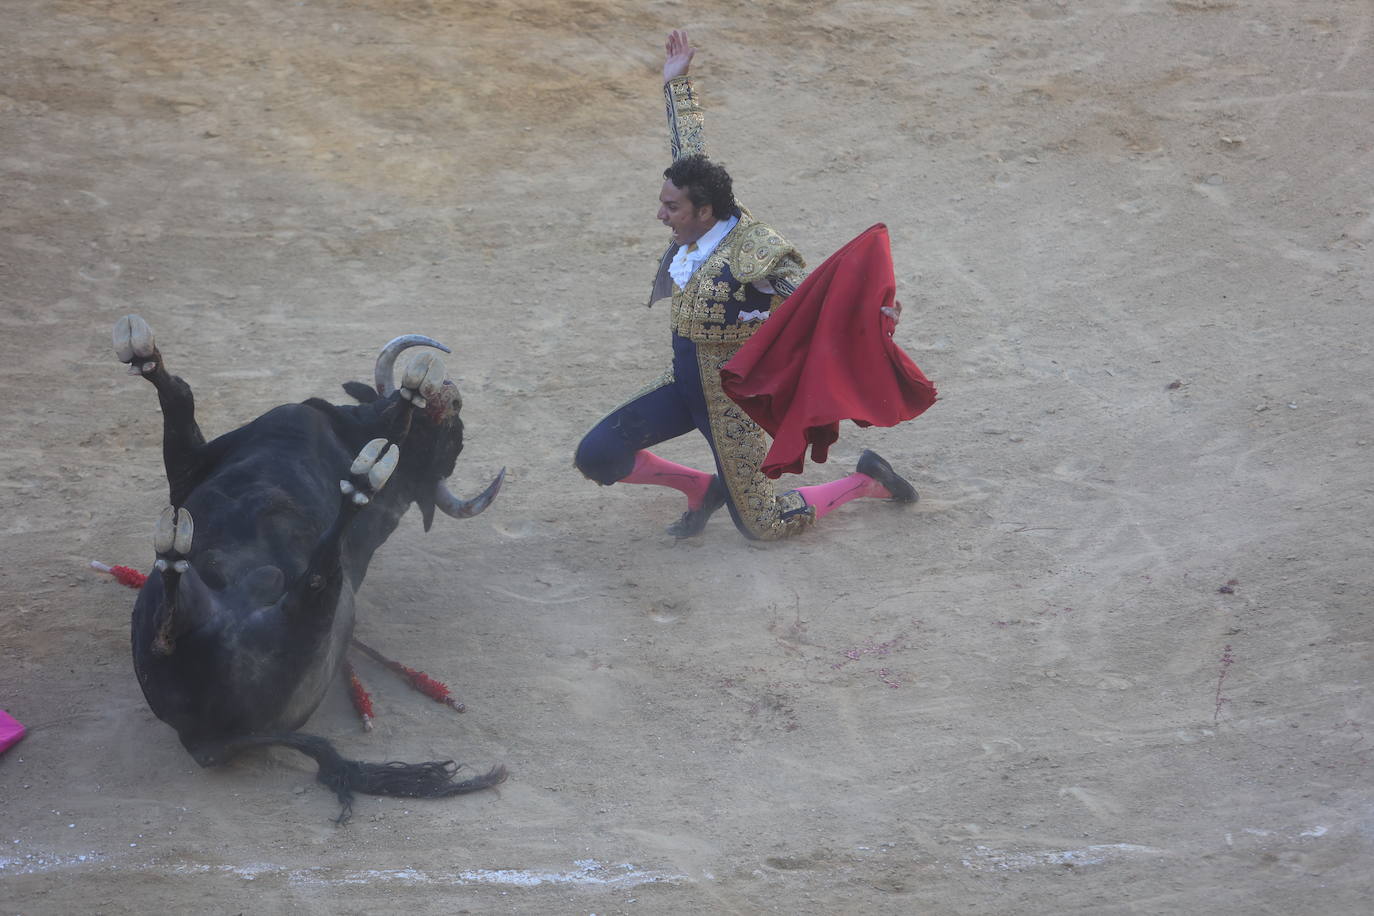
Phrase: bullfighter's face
pixel 686 222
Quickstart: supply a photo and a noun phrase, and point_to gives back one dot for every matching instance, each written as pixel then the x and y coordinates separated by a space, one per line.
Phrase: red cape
pixel 827 355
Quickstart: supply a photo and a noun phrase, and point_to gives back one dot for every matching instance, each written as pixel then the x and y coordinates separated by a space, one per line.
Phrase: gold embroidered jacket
pixel 720 303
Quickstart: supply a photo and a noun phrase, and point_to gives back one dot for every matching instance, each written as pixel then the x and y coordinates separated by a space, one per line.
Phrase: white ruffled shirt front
pixel 686 262
pixel 689 257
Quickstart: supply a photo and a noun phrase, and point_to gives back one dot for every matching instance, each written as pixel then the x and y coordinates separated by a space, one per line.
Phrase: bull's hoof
pixel 423 378
pixel 370 471
pixel 134 344
pixel 172 537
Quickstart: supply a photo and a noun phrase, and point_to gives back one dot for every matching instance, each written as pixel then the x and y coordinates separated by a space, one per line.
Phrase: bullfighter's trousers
pixel 689 396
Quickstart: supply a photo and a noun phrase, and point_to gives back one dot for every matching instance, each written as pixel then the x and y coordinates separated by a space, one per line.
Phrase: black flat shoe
pixel 874 465
pixel 694 520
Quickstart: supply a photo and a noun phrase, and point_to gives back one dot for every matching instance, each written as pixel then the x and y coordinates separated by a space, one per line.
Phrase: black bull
pixel 246 618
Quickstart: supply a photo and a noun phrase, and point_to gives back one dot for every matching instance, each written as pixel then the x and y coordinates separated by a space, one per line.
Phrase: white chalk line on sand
pixel 984 858
pixel 532 600
pixel 586 873
pixel 37 863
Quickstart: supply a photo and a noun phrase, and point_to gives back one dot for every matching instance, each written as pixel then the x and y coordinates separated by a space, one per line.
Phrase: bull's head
pixel 436 435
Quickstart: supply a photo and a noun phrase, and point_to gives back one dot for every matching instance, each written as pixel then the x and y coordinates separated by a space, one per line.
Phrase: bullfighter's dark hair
pixel 706 183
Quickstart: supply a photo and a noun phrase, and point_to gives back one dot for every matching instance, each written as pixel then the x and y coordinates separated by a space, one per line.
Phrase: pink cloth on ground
pixel 10 731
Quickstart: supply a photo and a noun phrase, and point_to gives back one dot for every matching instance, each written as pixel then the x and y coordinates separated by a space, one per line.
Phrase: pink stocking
pixel 651 469
pixel 827 497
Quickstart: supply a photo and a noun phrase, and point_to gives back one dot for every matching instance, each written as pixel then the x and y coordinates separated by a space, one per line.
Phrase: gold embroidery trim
pixel 740 449
pixel 665 379
pixel 757 251
pixel 698 310
pixel 686 120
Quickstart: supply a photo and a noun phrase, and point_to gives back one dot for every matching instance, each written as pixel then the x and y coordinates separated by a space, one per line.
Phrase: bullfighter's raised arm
pixel 685 117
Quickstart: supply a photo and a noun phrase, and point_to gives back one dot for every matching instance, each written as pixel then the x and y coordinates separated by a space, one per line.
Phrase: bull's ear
pixel 363 394
pixel 426 503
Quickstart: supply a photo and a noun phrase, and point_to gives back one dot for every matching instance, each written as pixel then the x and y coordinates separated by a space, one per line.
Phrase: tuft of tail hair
pixel 434 779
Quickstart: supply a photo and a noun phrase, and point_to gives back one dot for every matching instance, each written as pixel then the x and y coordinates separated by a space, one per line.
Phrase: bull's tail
pixel 434 779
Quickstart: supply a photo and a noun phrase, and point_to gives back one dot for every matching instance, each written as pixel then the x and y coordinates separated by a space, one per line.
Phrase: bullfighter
pixel 726 272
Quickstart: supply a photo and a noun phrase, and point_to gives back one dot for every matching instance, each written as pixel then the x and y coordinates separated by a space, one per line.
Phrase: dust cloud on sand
pixel 1115 661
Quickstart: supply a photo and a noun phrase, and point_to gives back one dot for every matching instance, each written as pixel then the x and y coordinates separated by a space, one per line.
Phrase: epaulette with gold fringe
pixel 757 251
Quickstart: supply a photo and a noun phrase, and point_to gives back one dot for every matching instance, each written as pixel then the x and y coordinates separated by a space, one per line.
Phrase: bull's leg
pixel 369 472
pixel 181 437
pixel 367 475
pixel 172 543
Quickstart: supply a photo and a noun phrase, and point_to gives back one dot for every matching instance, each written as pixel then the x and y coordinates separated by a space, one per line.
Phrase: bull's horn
pixel 466 508
pixel 384 375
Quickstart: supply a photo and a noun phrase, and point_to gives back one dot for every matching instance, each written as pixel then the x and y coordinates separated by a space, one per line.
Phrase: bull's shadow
pixel 246 618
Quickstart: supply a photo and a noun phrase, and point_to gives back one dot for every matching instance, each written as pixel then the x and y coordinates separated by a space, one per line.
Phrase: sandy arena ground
pixel 1133 238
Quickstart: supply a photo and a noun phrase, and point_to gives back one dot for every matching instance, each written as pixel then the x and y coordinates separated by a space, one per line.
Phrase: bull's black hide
pixel 245 620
